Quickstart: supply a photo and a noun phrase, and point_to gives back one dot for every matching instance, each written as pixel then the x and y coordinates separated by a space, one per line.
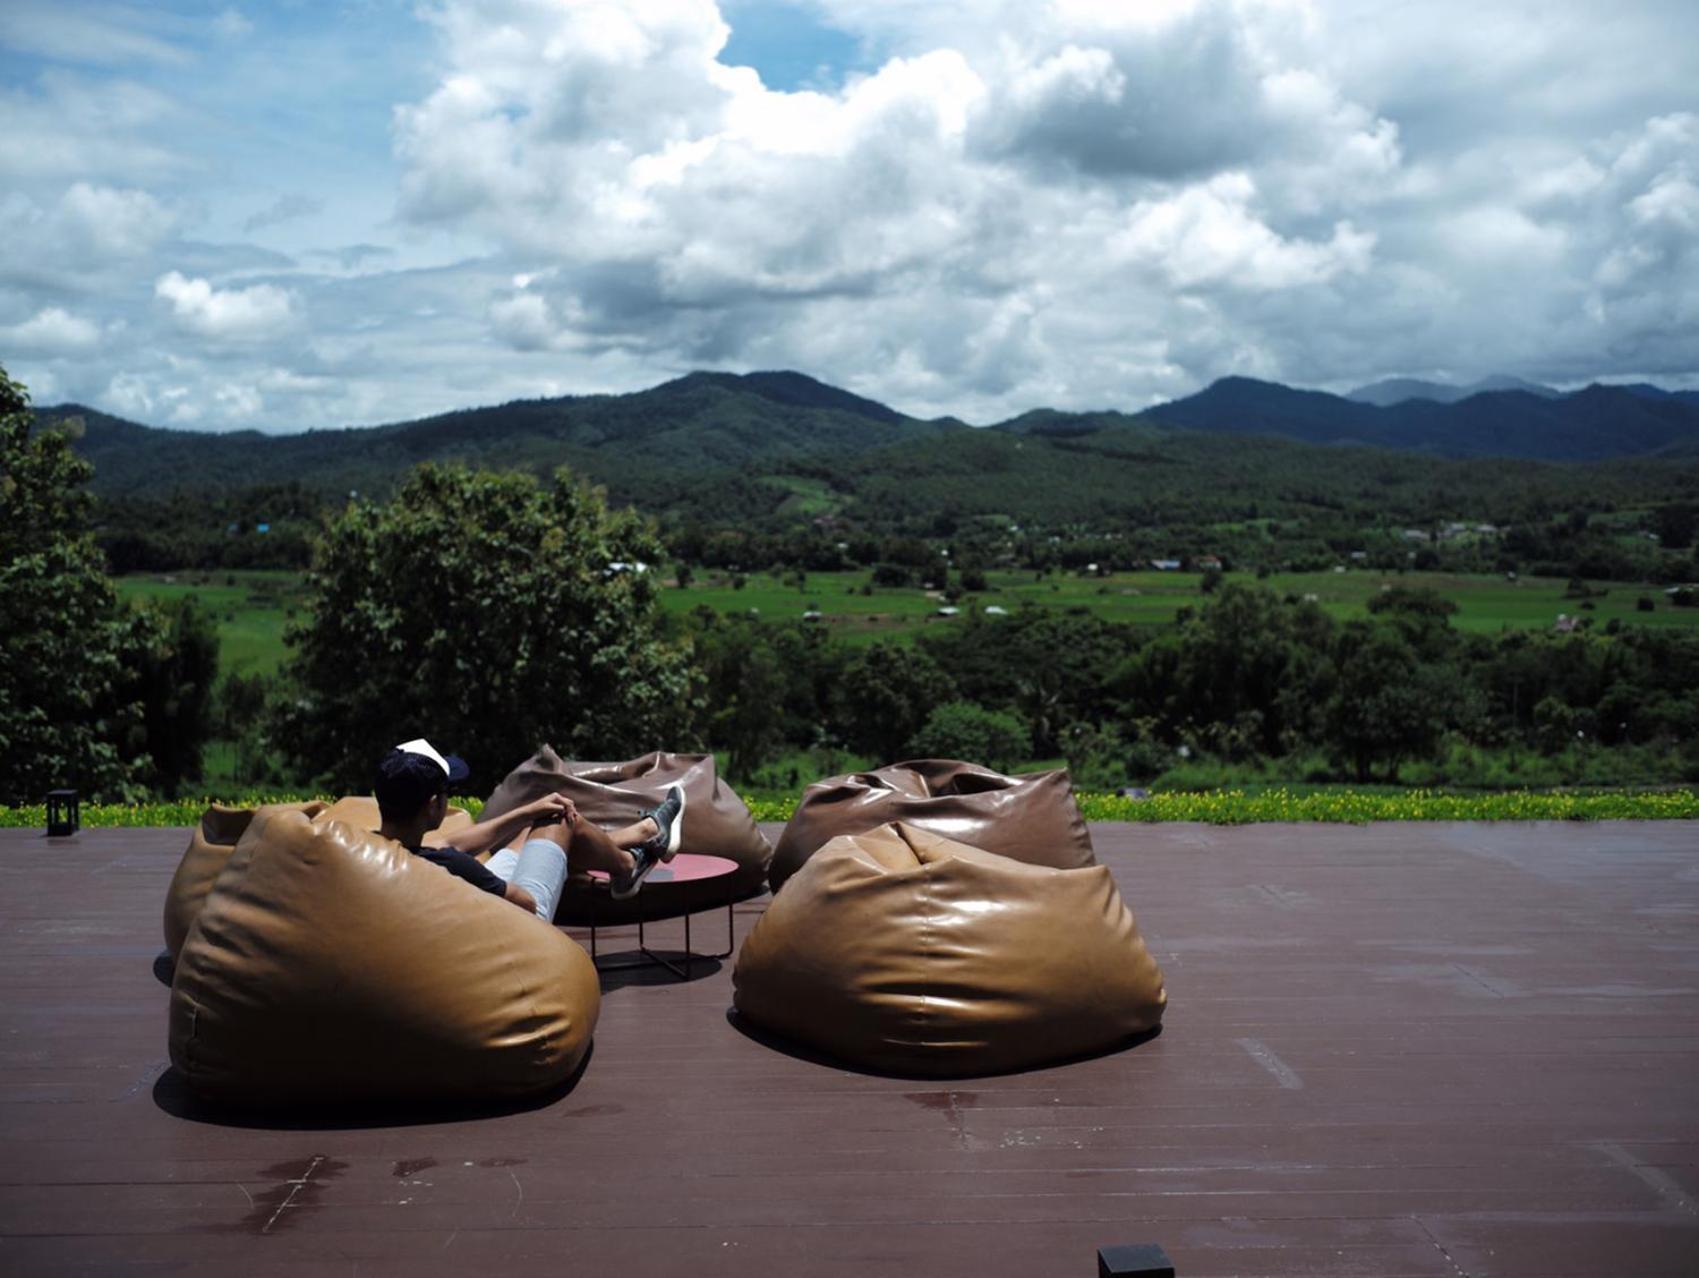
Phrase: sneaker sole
pixel 675 836
pixel 626 893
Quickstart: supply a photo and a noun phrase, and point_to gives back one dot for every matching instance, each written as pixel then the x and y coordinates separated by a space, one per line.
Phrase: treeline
pixel 268 526
pixel 492 610
pixel 275 527
pixel 761 492
pixel 1247 678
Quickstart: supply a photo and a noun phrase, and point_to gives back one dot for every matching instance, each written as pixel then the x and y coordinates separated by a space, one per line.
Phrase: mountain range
pixel 764 423
pixel 1593 424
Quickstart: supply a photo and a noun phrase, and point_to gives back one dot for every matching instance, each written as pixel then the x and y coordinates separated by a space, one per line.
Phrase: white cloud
pixel 51 331
pixel 285 208
pixel 256 313
pixel 69 125
pixel 97 34
pixel 1209 236
pixel 232 24
pixel 1008 203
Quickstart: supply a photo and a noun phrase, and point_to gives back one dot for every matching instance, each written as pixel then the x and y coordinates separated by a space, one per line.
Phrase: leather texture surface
pixel 330 964
pixel 1032 818
pixel 902 951
pixel 215 838
pixel 716 823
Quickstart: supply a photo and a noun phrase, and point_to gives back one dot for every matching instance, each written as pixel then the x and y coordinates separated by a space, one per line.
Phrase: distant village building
pixel 624 565
pixel 1208 563
pixel 1165 565
pixel 813 614
pixel 1566 624
pixel 948 612
pixel 996 610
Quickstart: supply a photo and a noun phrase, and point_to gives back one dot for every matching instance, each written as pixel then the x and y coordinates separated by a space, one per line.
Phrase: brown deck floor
pixel 1411 1049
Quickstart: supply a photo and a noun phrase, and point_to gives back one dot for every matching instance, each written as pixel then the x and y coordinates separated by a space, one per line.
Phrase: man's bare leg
pixel 589 847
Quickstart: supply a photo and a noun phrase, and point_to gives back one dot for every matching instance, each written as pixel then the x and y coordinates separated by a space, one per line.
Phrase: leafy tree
pixel 1245 675
pixel 487 612
pixel 1046 666
pixel 64 715
pixel 1676 524
pixel 171 676
pixel 1389 706
pixel 767 685
pixel 963 730
pixel 887 693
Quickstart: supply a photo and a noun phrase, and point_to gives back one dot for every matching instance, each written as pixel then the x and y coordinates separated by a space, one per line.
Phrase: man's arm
pixel 548 810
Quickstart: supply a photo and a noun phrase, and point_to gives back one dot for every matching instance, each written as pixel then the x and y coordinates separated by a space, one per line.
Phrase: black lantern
pixel 63 816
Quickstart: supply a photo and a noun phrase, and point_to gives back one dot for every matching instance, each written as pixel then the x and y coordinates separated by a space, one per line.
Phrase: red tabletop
pixel 686 867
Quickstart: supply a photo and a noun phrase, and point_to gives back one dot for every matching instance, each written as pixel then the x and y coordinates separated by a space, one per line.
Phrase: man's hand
pixel 552 809
pixel 520 897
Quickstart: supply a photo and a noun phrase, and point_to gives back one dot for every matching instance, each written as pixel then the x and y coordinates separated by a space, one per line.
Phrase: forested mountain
pixel 738 428
pixel 1588 425
pixel 704 421
pixel 1396 390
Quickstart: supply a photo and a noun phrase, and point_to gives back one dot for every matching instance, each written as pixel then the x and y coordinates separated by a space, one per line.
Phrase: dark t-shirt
pixel 464 866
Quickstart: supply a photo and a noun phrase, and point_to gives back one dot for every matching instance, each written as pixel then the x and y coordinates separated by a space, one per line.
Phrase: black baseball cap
pixel 414 772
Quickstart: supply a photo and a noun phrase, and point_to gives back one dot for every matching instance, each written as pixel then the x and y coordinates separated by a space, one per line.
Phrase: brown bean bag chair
pixel 214 838
pixel 1032 818
pixel 716 823
pixel 330 964
pixel 902 951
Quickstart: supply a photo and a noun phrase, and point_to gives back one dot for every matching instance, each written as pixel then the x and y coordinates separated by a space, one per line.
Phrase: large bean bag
pixel 1032 818
pixel 906 952
pixel 215 837
pixel 329 963
pixel 716 823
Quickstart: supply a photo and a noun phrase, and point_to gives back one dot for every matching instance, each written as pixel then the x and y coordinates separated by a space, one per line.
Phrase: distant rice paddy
pixel 251 609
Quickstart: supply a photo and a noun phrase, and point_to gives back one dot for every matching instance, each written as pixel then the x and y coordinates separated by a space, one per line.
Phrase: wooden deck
pixel 1424 1050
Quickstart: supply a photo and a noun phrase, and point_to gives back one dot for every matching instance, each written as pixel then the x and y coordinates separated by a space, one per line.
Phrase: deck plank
pixel 1391 1050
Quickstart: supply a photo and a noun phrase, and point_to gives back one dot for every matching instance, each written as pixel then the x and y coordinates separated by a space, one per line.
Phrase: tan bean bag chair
pixel 902 951
pixel 716 823
pixel 330 964
pixel 1032 818
pixel 213 839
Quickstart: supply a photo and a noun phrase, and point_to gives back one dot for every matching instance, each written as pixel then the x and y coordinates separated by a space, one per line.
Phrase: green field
pixel 1485 603
pixel 251 608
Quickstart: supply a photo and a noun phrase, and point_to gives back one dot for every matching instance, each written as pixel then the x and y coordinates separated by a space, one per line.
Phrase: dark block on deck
pixel 1134 1260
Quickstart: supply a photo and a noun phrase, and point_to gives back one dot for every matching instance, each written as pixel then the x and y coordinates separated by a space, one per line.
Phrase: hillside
pixel 701 422
pixel 1593 424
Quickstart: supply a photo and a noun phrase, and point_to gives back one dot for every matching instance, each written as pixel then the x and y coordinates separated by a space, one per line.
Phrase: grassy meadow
pixel 251 608
pixel 1485 603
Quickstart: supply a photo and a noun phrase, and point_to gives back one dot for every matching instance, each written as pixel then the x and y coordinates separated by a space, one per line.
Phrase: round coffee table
pixel 686 867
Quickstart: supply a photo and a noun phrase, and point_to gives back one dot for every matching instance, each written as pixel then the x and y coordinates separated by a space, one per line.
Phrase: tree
pixel 1389 705
pixel 491 614
pixel 1675 525
pixel 171 676
pixel 964 730
pixel 887 693
pixel 1246 675
pixel 65 718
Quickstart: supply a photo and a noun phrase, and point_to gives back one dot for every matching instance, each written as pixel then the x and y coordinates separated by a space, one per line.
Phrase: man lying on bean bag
pixel 412 793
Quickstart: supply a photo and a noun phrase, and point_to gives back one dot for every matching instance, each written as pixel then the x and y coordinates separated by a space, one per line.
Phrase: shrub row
pixel 1212 807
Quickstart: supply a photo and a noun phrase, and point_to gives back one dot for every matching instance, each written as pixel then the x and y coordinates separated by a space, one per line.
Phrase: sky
pixel 310 214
